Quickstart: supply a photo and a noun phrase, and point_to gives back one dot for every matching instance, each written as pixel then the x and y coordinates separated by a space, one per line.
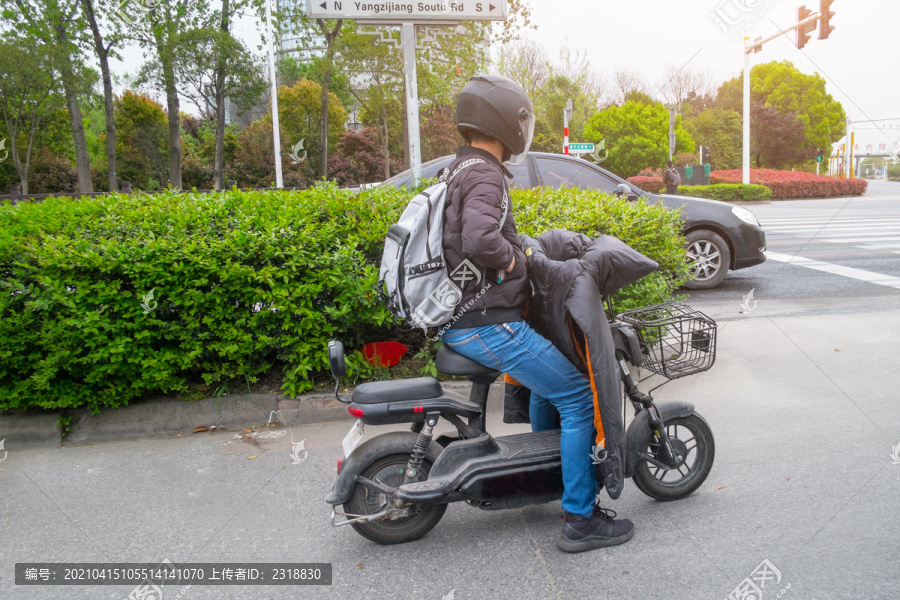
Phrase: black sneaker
pixel 600 531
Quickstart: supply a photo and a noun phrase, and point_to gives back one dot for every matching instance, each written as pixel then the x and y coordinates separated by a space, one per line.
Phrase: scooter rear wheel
pixel 691 435
pixel 389 470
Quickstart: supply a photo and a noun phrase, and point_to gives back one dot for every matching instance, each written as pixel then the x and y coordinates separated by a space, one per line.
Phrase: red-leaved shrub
pixel 648 184
pixel 794 184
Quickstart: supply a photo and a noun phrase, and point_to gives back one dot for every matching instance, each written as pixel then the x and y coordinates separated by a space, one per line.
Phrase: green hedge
pixel 651 229
pixel 243 283
pixel 727 192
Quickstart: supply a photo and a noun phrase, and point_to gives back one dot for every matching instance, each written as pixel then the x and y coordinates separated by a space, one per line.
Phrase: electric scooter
pixel 395 487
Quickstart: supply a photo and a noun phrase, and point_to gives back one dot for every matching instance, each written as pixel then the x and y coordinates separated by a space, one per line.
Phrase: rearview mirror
pixel 336 359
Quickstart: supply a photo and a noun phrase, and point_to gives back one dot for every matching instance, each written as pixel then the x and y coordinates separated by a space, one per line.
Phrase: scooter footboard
pixel 401 442
pixel 639 435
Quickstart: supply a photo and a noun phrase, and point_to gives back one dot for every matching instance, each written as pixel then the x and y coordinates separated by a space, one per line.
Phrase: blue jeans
pixel 516 349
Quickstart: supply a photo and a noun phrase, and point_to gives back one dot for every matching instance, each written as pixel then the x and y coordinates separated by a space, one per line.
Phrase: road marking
pixel 879 246
pixel 867 276
pixel 866 239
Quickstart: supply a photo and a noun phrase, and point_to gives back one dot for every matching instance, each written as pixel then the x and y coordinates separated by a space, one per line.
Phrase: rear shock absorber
pixel 421 447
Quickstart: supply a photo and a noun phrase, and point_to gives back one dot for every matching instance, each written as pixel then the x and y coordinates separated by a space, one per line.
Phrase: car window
pixel 520 179
pixel 559 172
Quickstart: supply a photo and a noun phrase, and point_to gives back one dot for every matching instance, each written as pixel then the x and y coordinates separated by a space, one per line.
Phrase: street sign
pixel 587 148
pixel 404 11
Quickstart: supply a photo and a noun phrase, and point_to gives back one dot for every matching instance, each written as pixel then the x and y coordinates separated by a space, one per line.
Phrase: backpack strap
pixel 468 163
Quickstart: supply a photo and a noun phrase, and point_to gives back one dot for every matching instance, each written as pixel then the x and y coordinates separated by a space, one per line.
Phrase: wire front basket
pixel 676 340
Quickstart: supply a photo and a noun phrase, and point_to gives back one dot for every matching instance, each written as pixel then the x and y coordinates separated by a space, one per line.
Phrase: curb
pixel 168 415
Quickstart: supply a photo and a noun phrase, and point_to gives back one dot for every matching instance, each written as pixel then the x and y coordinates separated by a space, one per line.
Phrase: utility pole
pixel 806 24
pixel 276 128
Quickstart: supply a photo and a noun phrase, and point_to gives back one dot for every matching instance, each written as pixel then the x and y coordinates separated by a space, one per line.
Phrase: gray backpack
pixel 414 276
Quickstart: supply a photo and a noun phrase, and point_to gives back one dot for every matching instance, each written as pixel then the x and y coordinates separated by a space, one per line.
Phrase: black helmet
pixel 498 107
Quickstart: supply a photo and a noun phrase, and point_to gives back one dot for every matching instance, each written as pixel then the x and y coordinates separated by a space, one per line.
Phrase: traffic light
pixel 819 156
pixel 704 155
pixel 804 31
pixel 825 26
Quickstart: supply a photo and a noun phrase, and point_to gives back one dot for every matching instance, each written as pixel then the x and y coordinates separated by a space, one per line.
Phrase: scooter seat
pixel 454 363
pixel 382 392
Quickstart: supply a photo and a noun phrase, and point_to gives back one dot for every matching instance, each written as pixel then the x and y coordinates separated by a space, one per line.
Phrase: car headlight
pixel 745 215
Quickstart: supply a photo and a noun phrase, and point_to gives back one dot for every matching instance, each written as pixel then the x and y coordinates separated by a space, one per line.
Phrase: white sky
pixel 858 61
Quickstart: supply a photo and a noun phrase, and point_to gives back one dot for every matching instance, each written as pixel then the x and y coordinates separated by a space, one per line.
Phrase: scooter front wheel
pixel 692 438
pixel 389 470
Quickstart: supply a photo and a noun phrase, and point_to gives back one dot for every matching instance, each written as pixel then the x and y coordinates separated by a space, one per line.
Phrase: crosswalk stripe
pixel 807 230
pixel 860 274
pixel 879 246
pixel 828 221
pixel 863 240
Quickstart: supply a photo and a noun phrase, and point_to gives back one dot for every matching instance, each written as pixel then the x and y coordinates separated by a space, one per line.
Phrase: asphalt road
pixel 802 401
pixel 857 240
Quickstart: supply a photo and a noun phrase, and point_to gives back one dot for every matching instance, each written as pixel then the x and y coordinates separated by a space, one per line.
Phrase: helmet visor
pixel 526 124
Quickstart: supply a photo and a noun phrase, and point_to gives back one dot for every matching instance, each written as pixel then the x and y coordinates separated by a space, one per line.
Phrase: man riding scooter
pixel 496 118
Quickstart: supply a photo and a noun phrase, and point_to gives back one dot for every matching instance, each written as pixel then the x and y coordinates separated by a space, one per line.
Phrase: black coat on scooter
pixel 569 276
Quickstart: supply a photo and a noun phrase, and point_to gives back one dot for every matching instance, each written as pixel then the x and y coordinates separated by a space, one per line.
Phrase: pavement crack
pixel 540 557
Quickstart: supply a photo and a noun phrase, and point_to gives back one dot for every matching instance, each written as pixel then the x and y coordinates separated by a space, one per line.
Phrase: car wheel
pixel 709 258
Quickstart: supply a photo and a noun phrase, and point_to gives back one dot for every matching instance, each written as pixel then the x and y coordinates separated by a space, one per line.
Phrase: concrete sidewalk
pixel 804 413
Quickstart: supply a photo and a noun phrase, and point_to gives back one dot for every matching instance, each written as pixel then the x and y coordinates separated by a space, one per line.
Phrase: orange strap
pixel 598 422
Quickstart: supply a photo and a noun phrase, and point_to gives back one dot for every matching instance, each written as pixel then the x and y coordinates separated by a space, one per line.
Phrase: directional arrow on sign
pixel 491 7
pixel 324 5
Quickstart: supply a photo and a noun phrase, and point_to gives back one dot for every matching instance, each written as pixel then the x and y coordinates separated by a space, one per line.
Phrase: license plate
pixel 353 438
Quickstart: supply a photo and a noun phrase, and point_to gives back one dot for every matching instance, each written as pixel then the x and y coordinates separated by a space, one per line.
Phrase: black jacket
pixel 570 275
pixel 473 211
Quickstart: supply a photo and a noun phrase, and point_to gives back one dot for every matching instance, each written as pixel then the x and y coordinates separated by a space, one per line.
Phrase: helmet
pixel 498 107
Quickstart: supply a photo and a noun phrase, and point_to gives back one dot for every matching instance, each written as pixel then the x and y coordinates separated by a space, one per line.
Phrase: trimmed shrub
pixel 727 192
pixel 794 184
pixel 648 184
pixel 107 299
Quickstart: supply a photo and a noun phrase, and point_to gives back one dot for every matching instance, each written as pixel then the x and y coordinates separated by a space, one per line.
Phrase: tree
pixel 27 80
pixel 157 29
pixel 141 142
pixel 680 84
pixel 778 137
pixel 720 130
pixel 358 158
pixel 791 92
pixel 213 67
pixel 525 62
pixel 625 81
pixel 636 136
pixel 58 24
pixel 103 49
pixel 298 112
pixel 379 65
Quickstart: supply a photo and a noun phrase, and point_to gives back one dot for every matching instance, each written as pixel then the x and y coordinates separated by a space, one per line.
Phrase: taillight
pixel 356 412
pixel 340 465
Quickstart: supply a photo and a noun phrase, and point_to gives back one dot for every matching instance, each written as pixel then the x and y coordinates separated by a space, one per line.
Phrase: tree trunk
pixel 221 108
pixel 82 158
pixel 330 36
pixel 173 107
pixel 103 57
